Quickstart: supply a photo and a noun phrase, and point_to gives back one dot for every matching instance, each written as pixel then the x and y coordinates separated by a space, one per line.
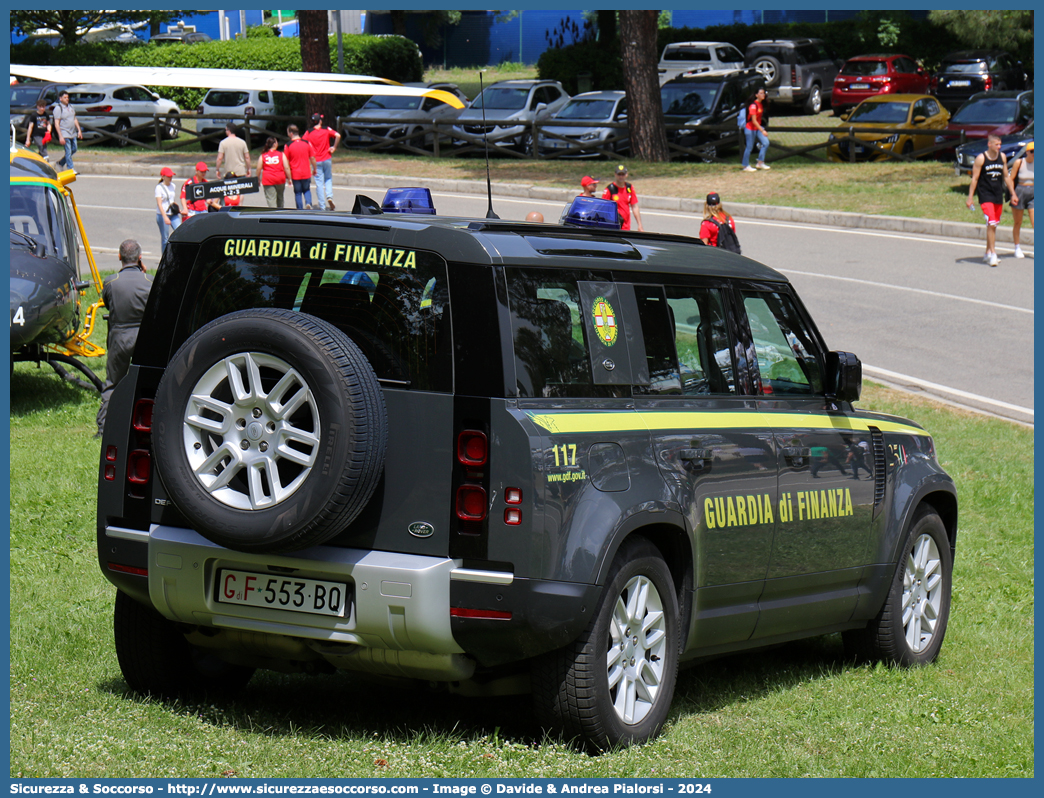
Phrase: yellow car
pixel 901 112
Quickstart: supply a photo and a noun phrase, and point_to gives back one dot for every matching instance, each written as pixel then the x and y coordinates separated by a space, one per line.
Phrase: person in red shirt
pixel 755 131
pixel 275 172
pixel 189 208
pixel 713 215
pixel 324 142
pixel 626 198
pixel 302 167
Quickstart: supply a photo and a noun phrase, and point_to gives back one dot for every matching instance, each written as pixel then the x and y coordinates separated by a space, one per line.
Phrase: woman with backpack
pixel 718 228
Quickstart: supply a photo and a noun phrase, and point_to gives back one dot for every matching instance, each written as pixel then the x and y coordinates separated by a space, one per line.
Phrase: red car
pixel 1000 112
pixel 868 75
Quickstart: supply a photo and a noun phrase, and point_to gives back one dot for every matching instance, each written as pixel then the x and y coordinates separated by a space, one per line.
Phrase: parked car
pixel 400 116
pixel 180 37
pixel 969 72
pixel 596 108
pixel 135 105
pixel 796 71
pixel 1012 146
pixel 238 103
pixel 900 111
pixel 867 75
pixel 707 99
pixel 520 101
pixel 681 57
pixel 25 95
pixel 1000 112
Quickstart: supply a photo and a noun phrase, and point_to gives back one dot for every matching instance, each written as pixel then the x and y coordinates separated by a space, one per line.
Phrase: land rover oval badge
pixel 421 529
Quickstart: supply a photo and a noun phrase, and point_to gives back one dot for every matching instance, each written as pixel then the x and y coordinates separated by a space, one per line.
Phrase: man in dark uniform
pixel 125 295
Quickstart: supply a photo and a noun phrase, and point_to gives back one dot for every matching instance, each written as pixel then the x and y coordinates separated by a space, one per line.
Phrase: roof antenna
pixel 485 141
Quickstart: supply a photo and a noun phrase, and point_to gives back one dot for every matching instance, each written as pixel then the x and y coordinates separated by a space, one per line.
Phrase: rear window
pixel 85 97
pixel 964 67
pixel 987 112
pixel 688 54
pixel 393 303
pixel 227 99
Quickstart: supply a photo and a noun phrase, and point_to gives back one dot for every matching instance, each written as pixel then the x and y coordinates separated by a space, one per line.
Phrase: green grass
pixel 797 710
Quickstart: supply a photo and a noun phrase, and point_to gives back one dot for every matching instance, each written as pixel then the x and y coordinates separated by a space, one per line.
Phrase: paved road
pixel 922 313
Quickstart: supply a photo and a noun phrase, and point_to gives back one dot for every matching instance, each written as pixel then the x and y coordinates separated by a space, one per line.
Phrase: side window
pixel 921 108
pixel 621 110
pixel 262 96
pixel 785 349
pixel 123 94
pixel 730 99
pixel 696 359
pixel 549 337
pixel 932 108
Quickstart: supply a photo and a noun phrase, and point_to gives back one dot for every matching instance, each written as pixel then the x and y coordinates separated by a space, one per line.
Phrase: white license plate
pixel 960 82
pixel 282 593
pixel 860 86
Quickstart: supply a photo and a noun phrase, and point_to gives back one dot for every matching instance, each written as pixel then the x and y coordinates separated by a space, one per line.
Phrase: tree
pixel 315 54
pixel 1002 29
pixel 641 81
pixel 73 25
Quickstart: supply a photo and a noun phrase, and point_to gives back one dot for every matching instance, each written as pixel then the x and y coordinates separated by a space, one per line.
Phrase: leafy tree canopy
pixel 72 25
pixel 1002 29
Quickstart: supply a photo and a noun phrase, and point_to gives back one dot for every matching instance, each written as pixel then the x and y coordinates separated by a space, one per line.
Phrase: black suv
pixel 796 71
pixel 968 72
pixel 707 99
pixel 493 457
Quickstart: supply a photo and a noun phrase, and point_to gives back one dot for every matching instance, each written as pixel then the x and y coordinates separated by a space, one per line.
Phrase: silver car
pixel 238 104
pixel 511 106
pixel 400 118
pixel 597 109
pixel 135 105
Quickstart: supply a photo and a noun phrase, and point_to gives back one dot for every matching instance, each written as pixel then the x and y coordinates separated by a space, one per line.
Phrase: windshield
pixel 393 104
pixel 586 109
pixel 975 67
pixel 227 99
pixel 688 99
pixel 38 212
pixel 880 112
pixel 24 95
pixel 987 112
pixel 865 68
pixel 502 99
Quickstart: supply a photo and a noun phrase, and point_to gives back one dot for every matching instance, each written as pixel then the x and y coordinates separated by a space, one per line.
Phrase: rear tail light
pixel 139 467
pixel 128 569
pixel 471 503
pixel 513 516
pixel 110 473
pixel 793 76
pixel 472 448
pixel 987 83
pixel 143 415
pixel 249 110
pixel 513 496
pixel 99 109
pixel 489 615
pixel 199 109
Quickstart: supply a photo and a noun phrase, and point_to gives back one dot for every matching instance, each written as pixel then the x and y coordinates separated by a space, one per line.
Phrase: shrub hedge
pixel 392 57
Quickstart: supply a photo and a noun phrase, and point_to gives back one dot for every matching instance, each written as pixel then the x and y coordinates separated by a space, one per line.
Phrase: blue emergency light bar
pixel 593 212
pixel 408 200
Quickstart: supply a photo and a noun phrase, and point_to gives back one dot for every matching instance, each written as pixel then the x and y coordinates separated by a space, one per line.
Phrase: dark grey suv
pixel 796 71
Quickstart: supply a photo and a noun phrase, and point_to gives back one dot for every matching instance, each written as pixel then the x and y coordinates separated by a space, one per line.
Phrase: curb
pixel 894 224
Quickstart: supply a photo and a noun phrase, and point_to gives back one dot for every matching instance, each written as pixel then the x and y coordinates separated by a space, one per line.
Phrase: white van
pixel 681 57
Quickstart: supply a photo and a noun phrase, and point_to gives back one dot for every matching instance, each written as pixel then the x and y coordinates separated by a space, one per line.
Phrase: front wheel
pixel 525 144
pixel 613 686
pixel 157 660
pixel 814 104
pixel 910 627
pixel 121 127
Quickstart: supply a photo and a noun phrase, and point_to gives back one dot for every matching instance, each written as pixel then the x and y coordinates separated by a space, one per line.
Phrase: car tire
pixel 814 103
pixel 525 144
pixel 769 68
pixel 269 430
pixel 157 660
pixel 908 147
pixel 171 127
pixel 588 690
pixel 910 627
pixel 710 154
pixel 121 127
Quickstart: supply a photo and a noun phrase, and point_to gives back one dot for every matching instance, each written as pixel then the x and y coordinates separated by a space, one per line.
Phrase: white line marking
pixel 893 375
pixel 908 288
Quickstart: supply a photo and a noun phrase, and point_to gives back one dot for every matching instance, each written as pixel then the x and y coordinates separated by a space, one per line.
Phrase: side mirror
pixel 919 119
pixel 541 107
pixel 844 116
pixel 844 376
